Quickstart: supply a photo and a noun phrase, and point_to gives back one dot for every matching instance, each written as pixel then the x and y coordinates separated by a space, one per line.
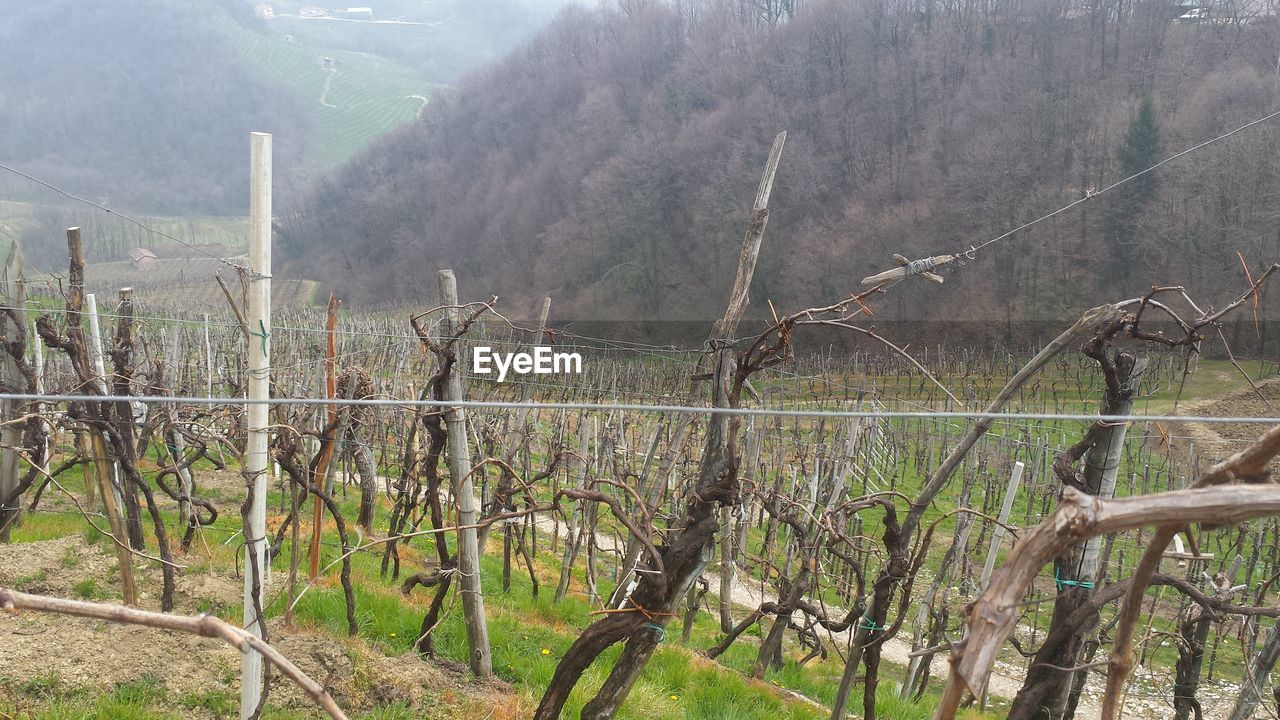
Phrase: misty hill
pixel 145 104
pixel 137 103
pixel 441 41
pixel 611 162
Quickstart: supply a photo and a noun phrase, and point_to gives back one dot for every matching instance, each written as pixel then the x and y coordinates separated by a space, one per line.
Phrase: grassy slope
pixel 528 636
pixel 369 96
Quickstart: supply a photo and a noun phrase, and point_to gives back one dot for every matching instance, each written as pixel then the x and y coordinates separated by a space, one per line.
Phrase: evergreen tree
pixel 1140 150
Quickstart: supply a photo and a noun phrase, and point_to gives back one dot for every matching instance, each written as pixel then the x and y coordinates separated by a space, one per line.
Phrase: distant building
pixel 264 11
pixel 142 257
pixel 356 13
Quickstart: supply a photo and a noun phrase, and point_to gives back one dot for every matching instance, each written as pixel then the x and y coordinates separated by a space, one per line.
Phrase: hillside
pixel 137 104
pixel 611 161
pixel 145 104
pixel 440 41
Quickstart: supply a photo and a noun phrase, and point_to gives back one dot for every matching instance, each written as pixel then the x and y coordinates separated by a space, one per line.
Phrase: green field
pixel 355 97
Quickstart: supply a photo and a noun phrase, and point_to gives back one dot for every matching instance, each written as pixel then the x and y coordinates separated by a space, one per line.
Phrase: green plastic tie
pixel 867 623
pixel 658 630
pixel 263 334
pixel 1057 578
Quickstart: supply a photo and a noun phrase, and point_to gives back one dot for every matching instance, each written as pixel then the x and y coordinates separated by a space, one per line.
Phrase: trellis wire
pixel 635 407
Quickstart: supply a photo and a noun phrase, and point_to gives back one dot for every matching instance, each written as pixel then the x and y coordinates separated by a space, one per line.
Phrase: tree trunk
pixel 731 541
pixel 771 646
pixel 1046 691
pixel 1194 631
pixel 363 455
pixel 571 534
pixel 691 546
pixel 459 457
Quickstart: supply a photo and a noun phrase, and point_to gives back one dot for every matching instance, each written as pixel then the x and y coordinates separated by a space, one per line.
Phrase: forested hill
pixel 138 103
pixel 146 104
pixel 612 161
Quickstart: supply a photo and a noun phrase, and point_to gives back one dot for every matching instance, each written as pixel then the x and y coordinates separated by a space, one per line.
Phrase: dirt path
pixel 324 94
pixel 422 108
pixel 1148 697
pixel 1216 442
pixel 895 650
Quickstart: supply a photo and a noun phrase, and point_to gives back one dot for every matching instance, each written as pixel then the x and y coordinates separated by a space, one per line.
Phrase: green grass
pixel 146 698
pixel 529 634
pixel 86 589
pixel 366 97
pixel 27 582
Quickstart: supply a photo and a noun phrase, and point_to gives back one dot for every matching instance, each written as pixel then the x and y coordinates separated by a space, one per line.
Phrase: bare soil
pixel 1217 441
pixel 84 653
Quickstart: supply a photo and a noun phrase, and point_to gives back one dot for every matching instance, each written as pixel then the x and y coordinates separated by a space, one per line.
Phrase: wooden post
pixel 123 497
pixel 571 537
pixel 256 413
pixel 95 344
pixel 208 359
pixel 997 533
pixel 1082 568
pixel 15 296
pixel 75 308
pixel 1259 669
pixel 459 456
pixel 174 441
pixel 716 461
pixel 37 354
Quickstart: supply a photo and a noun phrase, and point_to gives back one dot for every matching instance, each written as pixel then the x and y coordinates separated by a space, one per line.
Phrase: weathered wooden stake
pixel 175 442
pixel 75 320
pixel 256 413
pixel 208 359
pixel 997 533
pixel 459 456
pixel 15 296
pixel 37 354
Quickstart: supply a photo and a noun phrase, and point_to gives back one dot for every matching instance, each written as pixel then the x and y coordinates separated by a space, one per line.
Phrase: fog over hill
pixel 138 104
pixel 145 105
pixel 611 161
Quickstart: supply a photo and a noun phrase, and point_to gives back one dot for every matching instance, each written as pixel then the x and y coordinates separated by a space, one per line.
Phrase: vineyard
pixel 356 97
pixel 341 515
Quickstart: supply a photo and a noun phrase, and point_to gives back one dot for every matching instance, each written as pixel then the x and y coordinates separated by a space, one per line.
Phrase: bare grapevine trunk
pixel 691 545
pixel 1046 692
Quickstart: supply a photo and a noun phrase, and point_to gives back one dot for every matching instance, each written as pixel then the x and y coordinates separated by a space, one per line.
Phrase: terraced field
pixel 356 97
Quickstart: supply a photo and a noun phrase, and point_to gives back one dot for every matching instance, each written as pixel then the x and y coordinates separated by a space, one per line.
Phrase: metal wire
pixel 636 407
pixel 1093 194
pixel 239 268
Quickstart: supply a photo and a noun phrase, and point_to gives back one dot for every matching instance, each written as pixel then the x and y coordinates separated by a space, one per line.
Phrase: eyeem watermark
pixel 542 361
